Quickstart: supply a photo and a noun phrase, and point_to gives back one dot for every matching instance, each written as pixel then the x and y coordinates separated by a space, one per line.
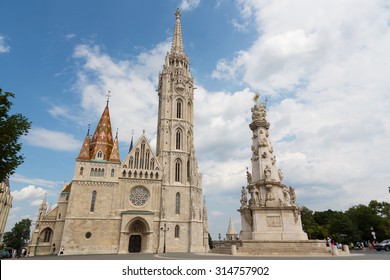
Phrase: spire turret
pixel 177 41
pixel 102 141
pixel 84 152
pixel 231 233
pixel 114 157
pixel 132 141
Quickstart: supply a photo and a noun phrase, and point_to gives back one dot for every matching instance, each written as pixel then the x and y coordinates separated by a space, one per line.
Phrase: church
pixel 149 202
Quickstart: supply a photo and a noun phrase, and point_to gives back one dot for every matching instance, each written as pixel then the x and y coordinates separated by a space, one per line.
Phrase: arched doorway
pixel 137 238
pixel 135 243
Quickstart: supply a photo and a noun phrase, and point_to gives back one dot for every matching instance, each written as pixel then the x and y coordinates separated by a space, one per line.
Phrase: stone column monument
pixel 268 206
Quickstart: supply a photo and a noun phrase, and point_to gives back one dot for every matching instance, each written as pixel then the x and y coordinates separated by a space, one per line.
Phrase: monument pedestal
pixel 277 223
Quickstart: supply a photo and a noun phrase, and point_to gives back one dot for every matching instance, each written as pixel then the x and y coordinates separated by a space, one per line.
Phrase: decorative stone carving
pixel 281 177
pixel 292 196
pixel 247 214
pixel 248 176
pixel 274 221
pixel 267 172
pixel 286 195
pixel 244 197
pixel 269 196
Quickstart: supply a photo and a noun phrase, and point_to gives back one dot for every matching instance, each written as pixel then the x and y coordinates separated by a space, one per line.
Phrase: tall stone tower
pixel 147 203
pixel 271 212
pixel 181 184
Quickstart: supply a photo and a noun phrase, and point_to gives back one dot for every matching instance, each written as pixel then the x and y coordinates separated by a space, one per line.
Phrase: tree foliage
pixel 350 226
pixel 12 127
pixel 19 235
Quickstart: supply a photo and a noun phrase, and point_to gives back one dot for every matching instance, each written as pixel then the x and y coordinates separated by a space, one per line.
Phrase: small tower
pixel 231 233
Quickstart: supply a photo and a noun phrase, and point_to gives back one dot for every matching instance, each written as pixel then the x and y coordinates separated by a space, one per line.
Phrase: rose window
pixel 139 196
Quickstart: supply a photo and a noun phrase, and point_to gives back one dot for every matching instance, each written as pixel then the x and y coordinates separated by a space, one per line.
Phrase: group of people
pixel 360 245
pixel 331 243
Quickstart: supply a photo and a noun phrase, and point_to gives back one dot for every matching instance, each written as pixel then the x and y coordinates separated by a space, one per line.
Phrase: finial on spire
pixel 131 143
pixel 108 96
pixel 178 13
pixel 89 127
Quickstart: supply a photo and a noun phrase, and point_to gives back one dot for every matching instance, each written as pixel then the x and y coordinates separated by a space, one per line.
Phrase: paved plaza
pixel 355 255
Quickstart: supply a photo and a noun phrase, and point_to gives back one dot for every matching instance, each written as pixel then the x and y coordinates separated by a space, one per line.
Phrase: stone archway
pixel 138 238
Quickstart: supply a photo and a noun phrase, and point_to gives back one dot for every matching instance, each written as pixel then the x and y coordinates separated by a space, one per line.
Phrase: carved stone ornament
pixel 244 197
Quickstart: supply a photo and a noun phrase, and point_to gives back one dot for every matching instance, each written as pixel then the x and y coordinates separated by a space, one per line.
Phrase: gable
pixel 141 162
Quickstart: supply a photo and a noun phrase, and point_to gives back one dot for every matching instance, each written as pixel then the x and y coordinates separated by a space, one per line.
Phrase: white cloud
pixel 4 47
pixel 70 36
pixel 325 66
pixel 189 4
pixel 133 102
pixel 34 181
pixel 328 106
pixel 54 140
pixel 28 193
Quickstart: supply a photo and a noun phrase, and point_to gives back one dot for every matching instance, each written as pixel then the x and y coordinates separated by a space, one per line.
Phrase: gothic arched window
pixel 178 139
pixel 177 208
pixel 47 236
pixel 131 163
pixel 179 108
pixel 100 154
pixel 136 158
pixel 177 170
pixel 93 200
pixel 81 170
pixel 177 231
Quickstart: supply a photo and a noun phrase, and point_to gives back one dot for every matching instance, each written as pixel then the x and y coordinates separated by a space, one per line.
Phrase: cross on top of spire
pixel 178 13
pixel 108 96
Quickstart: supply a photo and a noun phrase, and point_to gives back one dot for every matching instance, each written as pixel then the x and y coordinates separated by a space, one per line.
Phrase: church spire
pixel 132 140
pixel 84 152
pixel 177 41
pixel 114 157
pixel 102 141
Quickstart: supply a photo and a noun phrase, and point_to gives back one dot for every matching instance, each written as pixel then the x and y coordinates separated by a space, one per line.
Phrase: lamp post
pixel 164 229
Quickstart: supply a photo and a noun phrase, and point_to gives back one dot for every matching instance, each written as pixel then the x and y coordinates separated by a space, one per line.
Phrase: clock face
pixel 139 196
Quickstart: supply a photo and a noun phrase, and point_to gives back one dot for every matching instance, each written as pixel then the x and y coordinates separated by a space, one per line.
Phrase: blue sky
pixel 324 66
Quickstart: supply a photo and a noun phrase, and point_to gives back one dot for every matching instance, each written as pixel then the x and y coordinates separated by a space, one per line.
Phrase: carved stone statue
pixel 267 172
pixel 248 177
pixel 286 194
pixel 244 197
pixel 280 175
pixel 293 196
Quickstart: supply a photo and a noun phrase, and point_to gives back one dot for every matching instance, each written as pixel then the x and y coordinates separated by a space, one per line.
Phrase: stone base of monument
pixel 275 248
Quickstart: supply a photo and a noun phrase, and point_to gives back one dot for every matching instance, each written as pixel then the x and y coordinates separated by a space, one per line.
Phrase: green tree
pixel 19 235
pixel 365 217
pixel 12 127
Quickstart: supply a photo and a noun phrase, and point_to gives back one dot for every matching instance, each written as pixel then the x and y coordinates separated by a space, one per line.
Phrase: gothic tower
pixel 181 185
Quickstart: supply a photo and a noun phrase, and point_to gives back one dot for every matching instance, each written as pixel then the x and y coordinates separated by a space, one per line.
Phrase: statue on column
pixel 244 197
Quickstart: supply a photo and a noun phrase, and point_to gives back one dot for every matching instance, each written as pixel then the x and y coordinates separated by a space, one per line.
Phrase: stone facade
pixel 5 205
pixel 143 202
